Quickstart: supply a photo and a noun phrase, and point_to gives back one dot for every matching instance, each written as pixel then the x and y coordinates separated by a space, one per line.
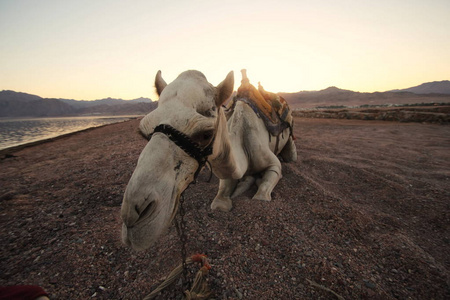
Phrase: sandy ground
pixel 364 212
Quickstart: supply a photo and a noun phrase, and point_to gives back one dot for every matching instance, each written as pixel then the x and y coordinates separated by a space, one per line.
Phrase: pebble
pixel 369 284
pixel 238 293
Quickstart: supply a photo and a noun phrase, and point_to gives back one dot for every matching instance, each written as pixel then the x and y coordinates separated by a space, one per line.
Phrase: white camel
pixel 190 118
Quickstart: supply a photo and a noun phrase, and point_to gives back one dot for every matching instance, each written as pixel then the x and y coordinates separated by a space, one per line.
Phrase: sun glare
pixel 97 51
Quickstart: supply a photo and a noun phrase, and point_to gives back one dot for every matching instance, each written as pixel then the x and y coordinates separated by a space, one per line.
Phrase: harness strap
pixel 186 144
pixel 275 127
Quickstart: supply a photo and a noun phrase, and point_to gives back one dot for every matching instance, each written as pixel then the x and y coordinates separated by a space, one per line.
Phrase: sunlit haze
pixel 96 49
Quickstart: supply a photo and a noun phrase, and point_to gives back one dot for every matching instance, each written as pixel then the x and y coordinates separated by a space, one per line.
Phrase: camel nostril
pixel 146 210
pixel 138 210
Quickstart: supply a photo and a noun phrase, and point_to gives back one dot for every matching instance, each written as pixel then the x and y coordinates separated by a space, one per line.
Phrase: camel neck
pixel 223 160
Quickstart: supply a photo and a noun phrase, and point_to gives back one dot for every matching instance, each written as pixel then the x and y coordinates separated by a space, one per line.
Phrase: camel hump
pixel 269 104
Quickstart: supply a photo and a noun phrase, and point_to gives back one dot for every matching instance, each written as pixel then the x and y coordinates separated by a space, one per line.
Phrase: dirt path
pixel 364 212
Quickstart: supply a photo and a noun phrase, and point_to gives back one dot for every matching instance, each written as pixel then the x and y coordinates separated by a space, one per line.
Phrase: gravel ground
pixel 364 213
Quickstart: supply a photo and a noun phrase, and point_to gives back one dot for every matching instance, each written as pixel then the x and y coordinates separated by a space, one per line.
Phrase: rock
pixel 238 293
pixel 369 284
pixel 7 196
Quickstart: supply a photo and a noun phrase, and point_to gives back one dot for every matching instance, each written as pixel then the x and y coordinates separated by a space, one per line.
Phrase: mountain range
pixel 435 87
pixel 431 92
pixel 17 104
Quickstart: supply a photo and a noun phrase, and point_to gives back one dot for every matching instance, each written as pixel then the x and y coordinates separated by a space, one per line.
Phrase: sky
pixel 87 50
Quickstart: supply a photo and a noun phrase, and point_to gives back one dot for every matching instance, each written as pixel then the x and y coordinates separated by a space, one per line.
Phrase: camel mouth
pixel 130 237
pixel 138 235
pixel 151 224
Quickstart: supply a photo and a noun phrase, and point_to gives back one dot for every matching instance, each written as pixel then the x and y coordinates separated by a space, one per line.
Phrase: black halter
pixel 186 144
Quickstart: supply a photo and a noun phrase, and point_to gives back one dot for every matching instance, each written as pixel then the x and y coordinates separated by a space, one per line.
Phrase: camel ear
pixel 160 84
pixel 225 89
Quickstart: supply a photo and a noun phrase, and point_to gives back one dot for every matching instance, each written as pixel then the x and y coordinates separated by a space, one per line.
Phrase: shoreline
pixel 8 152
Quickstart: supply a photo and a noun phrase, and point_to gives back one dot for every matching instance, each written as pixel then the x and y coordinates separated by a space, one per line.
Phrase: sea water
pixel 15 132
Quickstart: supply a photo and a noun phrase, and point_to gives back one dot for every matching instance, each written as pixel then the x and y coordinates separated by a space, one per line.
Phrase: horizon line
pixel 299 91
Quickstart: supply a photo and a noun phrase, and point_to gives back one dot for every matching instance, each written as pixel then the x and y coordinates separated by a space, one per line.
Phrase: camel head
pixel 188 109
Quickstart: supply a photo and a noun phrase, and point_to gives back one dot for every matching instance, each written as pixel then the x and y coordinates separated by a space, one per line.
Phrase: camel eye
pixel 209 113
pixel 207 135
pixel 203 137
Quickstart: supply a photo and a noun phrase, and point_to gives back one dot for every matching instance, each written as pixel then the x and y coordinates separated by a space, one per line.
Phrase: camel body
pixel 243 154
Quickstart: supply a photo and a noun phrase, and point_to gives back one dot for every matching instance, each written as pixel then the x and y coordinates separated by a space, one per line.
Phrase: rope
pixel 210 171
pixel 315 284
pixel 199 290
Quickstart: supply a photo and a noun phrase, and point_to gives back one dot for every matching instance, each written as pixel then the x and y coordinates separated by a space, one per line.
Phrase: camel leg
pixel 223 198
pixel 270 179
pixel 289 152
pixel 243 186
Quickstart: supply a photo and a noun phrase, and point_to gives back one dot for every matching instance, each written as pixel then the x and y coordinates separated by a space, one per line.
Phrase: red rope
pixel 201 258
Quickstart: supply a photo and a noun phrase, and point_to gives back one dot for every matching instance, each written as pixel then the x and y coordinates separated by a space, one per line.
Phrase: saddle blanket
pixel 271 108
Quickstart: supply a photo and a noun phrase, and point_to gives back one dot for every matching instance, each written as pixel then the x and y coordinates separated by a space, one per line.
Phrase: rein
pixel 201 156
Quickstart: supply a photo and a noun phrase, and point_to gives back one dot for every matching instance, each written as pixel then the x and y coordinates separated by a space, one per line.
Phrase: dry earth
pixel 428 114
pixel 364 212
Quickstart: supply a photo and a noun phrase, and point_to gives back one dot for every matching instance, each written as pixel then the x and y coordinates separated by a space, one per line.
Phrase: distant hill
pixel 435 87
pixel 132 108
pixel 13 104
pixel 16 104
pixel 107 101
pixel 16 96
pixel 335 97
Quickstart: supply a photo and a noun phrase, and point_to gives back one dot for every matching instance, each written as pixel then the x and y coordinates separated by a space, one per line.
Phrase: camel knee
pixel 275 168
pixel 268 182
pixel 243 186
